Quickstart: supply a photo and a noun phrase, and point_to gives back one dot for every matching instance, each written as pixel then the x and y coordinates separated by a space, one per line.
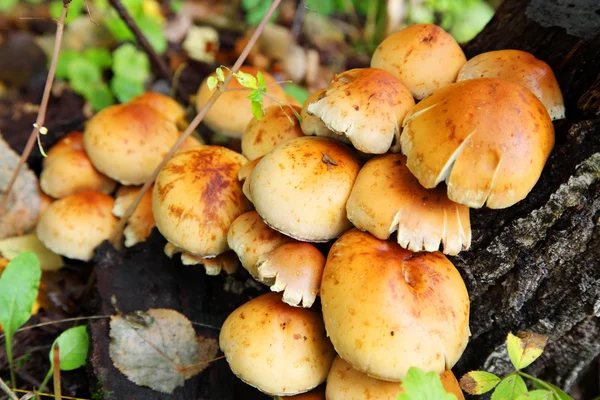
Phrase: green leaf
pixel 510 388
pixel 153 32
pixel 212 82
pixel 297 92
pixel 525 348
pixel 423 386
pixel 261 80
pixel 324 7
pixel 478 382
pixel 257 110
pixel 98 56
pixel 255 95
pixel 119 29
pixel 7 5
pixel 245 79
pixel 64 60
pixel 73 345
pixel 557 392
pixel 126 89
pixel 176 6
pixel 220 74
pixel 536 395
pixel 131 64
pixel 19 286
pixel 100 96
pixel 256 10
pixel 82 73
pixel 470 21
pixel 76 8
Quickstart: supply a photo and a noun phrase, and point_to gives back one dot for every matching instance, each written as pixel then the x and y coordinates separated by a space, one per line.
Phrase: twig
pixel 39 122
pixel 7 390
pixel 56 374
pixel 116 237
pixel 157 60
pixel 298 21
pixel 60 321
pixel 48 394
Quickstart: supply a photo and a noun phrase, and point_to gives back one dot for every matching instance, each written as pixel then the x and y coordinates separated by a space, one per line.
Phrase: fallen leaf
pixel 158 355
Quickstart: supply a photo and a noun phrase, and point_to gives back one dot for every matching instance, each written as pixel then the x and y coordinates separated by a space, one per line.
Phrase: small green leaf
pixel 256 10
pixel 261 80
pixel 126 89
pixel 176 6
pixel 536 395
pixel 510 388
pixel 525 348
pixel 220 74
pixel 423 386
pixel 99 96
pixel 153 32
pixel 557 392
pixel 19 286
pixel 75 9
pixel 64 60
pixel 131 64
pixel 246 80
pixel 255 95
pixel 82 73
pixel 297 92
pixel 73 346
pixel 7 5
pixel 257 110
pixel 119 29
pixel 212 82
pixel 478 382
pixel 98 56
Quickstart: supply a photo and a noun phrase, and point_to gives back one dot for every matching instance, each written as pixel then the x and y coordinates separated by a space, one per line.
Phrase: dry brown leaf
pixel 207 351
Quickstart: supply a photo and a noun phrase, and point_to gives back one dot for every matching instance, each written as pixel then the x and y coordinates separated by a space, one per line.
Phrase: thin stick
pixel 57 388
pixel 47 394
pixel 60 321
pixel 116 237
pixel 157 60
pixel 39 122
pixel 7 390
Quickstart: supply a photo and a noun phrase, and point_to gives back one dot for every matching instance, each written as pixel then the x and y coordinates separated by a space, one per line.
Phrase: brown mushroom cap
pixel 386 197
pixel 424 57
pixel 277 348
pixel 313 126
pixel 128 141
pixel 278 125
pixel 165 105
pixel 407 309
pixel 522 68
pixel 74 225
pixel 366 105
pixel 140 224
pixel 71 172
pixel 69 142
pixel 197 196
pixel 295 269
pixel 301 187
pixel 346 383
pixel 232 112
pixel 487 138
pixel 245 174
pixel 250 238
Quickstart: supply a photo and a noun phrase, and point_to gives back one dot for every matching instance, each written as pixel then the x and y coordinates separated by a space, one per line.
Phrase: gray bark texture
pixel 536 266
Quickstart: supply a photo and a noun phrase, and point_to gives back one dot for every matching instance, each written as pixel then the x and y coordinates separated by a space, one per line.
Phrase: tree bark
pixel 535 266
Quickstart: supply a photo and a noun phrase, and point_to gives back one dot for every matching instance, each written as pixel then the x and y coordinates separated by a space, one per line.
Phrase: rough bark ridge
pixel 535 266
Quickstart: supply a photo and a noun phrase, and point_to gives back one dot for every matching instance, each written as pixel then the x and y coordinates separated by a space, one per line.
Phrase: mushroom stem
pixel 118 233
pixel 39 122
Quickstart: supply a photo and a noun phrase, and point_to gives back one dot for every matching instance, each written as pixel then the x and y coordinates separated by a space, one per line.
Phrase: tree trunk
pixel 535 266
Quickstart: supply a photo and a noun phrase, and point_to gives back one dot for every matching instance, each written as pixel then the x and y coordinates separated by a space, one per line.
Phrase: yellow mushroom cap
pixel 317 393
pixel 278 125
pixel 71 172
pixel 140 224
pixel 487 138
pixel 313 126
pixel 128 141
pixel 300 188
pixel 165 105
pixel 346 383
pixel 424 57
pixel 232 111
pixel 387 309
pixel 522 68
pixel 197 196
pixel 250 238
pixel 386 197
pixel 74 225
pixel 367 106
pixel 276 348
pixel 69 142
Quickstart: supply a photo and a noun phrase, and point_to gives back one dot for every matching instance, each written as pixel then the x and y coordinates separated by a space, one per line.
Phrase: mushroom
pixel 346 383
pixel 165 105
pixel 313 126
pixel 278 349
pixel 244 176
pixel 522 68
pixel 140 224
pixel 487 138
pixel 387 309
pixel 71 172
pixel 317 393
pixel 367 106
pixel 386 197
pixel 74 225
pixel 231 113
pixel 69 142
pixel 424 57
pixel 300 188
pixel 227 262
pixel 128 141
pixel 278 125
pixel 197 196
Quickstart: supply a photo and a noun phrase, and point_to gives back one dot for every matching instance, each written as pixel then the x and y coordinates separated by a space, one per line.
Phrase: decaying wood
pixel 536 265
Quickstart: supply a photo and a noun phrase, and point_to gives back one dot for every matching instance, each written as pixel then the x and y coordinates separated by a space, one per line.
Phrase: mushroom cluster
pixel 383 166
